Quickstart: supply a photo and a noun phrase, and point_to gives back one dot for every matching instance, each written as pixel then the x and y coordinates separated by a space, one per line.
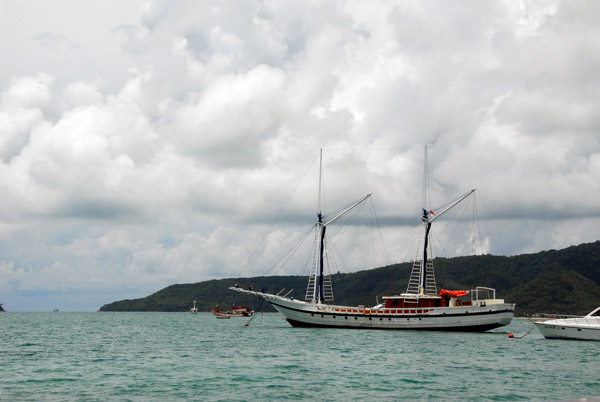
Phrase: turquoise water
pixel 180 356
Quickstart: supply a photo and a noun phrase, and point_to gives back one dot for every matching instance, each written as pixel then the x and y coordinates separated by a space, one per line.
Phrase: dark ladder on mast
pixel 327 287
pixel 414 283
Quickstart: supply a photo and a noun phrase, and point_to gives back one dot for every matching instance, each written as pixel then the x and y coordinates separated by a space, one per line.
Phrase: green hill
pixel 563 281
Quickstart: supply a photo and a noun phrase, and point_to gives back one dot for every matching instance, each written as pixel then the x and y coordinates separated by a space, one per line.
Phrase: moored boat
pixel 235 311
pixel 194 309
pixel 577 328
pixel 420 307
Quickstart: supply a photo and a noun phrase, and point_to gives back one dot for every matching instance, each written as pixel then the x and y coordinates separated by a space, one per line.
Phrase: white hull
pixel 481 317
pixel 582 329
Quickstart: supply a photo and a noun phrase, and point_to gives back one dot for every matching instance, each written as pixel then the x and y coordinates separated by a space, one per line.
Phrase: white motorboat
pixel 421 307
pixel 579 328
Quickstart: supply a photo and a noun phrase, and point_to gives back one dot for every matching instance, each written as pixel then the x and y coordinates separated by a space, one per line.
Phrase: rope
pixel 527 333
pixel 277 218
pixel 262 302
pixel 374 213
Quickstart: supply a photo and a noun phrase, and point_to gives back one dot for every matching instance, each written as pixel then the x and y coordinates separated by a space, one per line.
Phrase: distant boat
pixel 55 310
pixel 233 312
pixel 421 307
pixel 194 310
pixel 580 328
pixel 1 308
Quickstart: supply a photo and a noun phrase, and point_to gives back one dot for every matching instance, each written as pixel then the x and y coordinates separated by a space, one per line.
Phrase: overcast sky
pixel 144 144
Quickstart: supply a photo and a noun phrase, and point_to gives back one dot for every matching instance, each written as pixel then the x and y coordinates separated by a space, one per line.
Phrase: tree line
pixel 562 281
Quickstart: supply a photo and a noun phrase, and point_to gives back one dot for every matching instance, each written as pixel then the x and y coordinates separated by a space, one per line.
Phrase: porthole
pixel 346 317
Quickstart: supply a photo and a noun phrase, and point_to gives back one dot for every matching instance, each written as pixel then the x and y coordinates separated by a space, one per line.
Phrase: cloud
pixel 158 145
pixel 49 39
pixel 228 122
pixel 28 92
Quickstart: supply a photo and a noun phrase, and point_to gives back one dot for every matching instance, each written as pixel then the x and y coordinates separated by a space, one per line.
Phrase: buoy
pixel 246 325
pixel 511 336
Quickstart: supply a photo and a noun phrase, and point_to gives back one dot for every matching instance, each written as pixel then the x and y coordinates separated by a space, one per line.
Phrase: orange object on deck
pixel 455 293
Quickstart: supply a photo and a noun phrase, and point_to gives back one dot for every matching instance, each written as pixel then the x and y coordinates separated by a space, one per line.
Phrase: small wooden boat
pixel 240 311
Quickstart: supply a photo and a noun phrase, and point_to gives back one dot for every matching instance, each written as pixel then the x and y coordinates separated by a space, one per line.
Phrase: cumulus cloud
pixel 158 145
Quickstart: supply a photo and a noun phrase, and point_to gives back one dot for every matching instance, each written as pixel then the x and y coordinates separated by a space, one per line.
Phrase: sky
pixel 151 143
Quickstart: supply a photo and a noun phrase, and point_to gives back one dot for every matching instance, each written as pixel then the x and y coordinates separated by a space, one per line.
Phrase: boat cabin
pixel 241 310
pixel 446 298
pixel 407 301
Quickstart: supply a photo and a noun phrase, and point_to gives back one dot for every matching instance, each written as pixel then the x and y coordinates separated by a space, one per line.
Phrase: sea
pixel 102 356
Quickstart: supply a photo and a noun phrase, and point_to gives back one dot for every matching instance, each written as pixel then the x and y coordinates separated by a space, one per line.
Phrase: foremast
pixel 319 289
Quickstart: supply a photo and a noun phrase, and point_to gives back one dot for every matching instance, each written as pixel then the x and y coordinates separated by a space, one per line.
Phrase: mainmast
pixel 422 278
pixel 426 229
pixel 424 199
pixel 423 273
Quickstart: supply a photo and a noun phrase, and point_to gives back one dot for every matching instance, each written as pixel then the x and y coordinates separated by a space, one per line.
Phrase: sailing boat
pixel 194 309
pixel 421 307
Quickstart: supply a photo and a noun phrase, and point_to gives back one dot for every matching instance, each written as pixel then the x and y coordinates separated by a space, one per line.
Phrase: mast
pixel 321 247
pixel 321 231
pixel 316 281
pixel 426 273
pixel 424 265
pixel 427 226
pixel 424 199
pixel 422 277
pixel 320 174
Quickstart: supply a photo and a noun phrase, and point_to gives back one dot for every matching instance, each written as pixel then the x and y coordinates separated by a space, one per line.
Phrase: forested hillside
pixel 563 281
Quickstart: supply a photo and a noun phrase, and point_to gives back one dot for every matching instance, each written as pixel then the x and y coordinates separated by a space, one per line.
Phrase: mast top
pixel 430 216
pixel 424 200
pixel 320 175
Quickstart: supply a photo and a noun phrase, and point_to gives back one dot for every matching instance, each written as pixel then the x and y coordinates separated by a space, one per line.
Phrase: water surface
pixel 180 356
